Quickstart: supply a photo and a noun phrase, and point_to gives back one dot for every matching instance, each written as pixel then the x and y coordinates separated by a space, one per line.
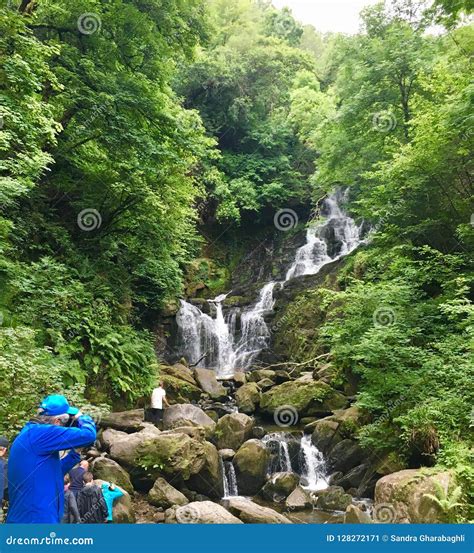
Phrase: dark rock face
pixel 353 479
pixel 345 455
pixel 333 499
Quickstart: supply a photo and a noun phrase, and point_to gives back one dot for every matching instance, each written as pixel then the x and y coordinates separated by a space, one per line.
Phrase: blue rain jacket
pixel 36 473
pixel 110 496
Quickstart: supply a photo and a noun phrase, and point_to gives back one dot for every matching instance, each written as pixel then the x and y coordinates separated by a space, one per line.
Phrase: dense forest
pixel 138 136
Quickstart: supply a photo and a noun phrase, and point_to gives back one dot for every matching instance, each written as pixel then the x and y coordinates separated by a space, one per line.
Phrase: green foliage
pixel 447 501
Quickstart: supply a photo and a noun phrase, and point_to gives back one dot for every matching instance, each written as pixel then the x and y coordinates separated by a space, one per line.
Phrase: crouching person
pixel 35 470
pixel 91 502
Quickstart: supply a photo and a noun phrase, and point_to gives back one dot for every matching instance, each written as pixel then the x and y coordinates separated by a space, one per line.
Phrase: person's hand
pixel 112 487
pixel 83 420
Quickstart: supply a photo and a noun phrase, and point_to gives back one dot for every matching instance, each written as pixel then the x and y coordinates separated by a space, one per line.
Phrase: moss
pixel 297 394
pixel 179 391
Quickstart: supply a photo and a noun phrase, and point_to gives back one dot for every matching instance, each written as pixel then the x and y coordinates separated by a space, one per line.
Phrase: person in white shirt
pixel 158 397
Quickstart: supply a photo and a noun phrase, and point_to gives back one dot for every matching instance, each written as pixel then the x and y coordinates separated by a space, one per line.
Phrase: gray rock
pixel 345 455
pixel 186 415
pixel 251 513
pixel 227 454
pixel 200 512
pixel 164 495
pixel 298 500
pixel 247 398
pixel 206 378
pixel 233 430
pixel 125 421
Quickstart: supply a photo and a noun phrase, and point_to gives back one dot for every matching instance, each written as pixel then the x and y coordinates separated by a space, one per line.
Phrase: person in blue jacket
pixel 111 492
pixel 35 469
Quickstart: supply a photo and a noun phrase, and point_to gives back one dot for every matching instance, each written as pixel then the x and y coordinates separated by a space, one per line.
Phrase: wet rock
pixel 206 378
pixel 251 513
pixel 110 471
pixel 248 398
pixel 250 463
pixel 402 496
pixel 233 430
pixel 200 512
pixel 186 415
pixel 280 486
pixel 197 432
pixel 162 494
pixel 333 498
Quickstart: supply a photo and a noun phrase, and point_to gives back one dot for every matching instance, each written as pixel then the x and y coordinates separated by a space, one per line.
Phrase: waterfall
pixel 225 341
pixel 230 480
pixel 337 230
pixel 277 444
pixel 313 468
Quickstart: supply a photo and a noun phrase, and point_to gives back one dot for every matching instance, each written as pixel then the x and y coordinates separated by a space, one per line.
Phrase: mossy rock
pixel 179 391
pixel 308 398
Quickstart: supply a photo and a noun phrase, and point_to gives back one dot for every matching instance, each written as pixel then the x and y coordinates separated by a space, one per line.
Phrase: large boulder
pixel 307 397
pixel 122 511
pixel 123 447
pixel 172 455
pixel 250 463
pixel 186 415
pixel 298 500
pixel 233 430
pixel 106 469
pixel 333 499
pixel 251 513
pixel 345 455
pixel 179 371
pixel 125 421
pixel 207 381
pixel 209 481
pixel 179 390
pixel 164 495
pixel 280 485
pixel 325 434
pixel 354 515
pixel 248 398
pixel 402 496
pixel 200 512
pixel 354 478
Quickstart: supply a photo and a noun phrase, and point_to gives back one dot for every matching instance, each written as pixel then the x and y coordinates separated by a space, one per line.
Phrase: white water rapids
pixel 225 341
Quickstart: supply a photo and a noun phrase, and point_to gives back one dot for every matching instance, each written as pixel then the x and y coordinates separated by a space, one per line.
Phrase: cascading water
pixel 277 445
pixel 229 480
pixel 313 472
pixel 336 236
pixel 220 343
